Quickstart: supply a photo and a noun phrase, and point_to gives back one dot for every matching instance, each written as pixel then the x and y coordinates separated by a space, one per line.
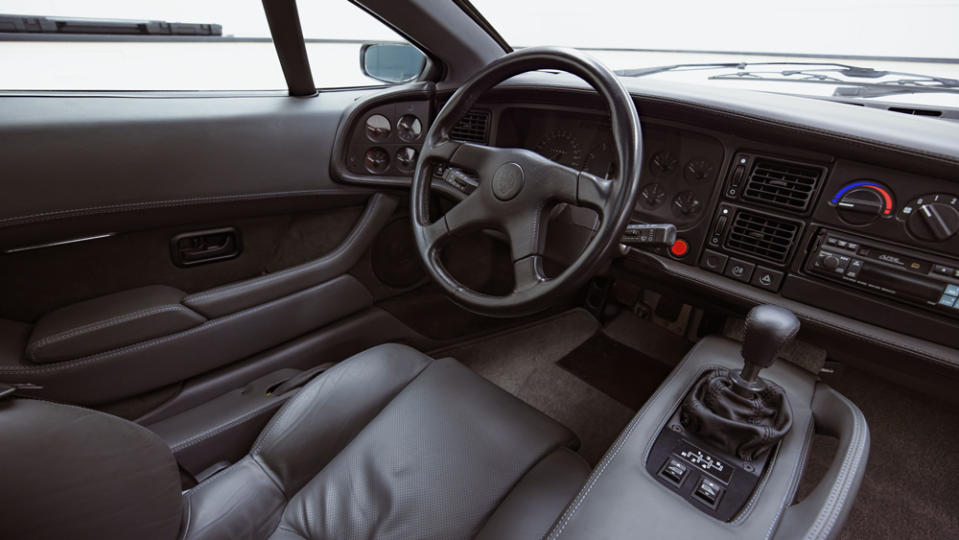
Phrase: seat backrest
pixel 69 472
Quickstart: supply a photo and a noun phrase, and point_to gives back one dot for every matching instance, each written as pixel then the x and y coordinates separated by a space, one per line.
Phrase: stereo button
pixel 952 290
pixel 947 300
pixel 854 268
pixel 943 270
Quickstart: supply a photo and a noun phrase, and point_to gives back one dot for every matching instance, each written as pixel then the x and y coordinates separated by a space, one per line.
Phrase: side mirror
pixel 391 62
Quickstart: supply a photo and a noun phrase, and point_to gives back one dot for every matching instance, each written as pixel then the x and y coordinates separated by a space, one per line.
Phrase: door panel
pixel 141 171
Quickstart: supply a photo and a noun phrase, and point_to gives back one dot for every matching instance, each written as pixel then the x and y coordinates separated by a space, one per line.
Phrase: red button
pixel 680 248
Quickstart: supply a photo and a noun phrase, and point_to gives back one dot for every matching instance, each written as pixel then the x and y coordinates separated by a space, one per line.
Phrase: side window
pixel 187 45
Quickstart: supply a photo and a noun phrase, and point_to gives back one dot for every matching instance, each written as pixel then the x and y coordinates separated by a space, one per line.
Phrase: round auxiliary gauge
pixel 862 202
pixel 376 160
pixel 409 128
pixel 406 159
pixel 686 204
pixel 663 163
pixel 378 128
pixel 698 171
pixel 652 195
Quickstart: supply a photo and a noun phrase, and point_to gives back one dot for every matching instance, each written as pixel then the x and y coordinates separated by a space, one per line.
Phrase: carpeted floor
pixel 907 491
pixel 588 392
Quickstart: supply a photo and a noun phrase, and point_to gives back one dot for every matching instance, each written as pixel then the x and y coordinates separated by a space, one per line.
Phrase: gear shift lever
pixel 735 410
pixel 769 328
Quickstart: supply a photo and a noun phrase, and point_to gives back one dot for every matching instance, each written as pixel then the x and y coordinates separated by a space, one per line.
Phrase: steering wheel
pixel 517 188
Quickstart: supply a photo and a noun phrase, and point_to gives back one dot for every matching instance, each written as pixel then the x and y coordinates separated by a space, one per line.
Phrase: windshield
pixel 903 36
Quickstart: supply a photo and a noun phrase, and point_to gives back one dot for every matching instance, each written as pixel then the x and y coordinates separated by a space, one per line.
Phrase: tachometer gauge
pixel 377 160
pixel 652 195
pixel 561 147
pixel 378 128
pixel 406 159
pixel 698 171
pixel 663 163
pixel 409 128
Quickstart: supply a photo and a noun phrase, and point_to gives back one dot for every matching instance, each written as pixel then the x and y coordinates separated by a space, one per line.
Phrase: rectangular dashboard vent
pixel 762 236
pixel 782 184
pixel 473 127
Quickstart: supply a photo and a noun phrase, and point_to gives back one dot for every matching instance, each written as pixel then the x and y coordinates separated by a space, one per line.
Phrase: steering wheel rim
pixel 516 186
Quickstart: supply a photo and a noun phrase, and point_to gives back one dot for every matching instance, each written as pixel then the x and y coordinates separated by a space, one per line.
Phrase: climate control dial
pixel 862 202
pixel 933 218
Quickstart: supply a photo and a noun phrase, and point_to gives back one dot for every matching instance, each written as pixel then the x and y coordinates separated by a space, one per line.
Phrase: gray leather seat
pixel 387 444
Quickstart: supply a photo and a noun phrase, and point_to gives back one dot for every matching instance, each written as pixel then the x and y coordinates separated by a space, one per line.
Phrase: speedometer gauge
pixel 561 147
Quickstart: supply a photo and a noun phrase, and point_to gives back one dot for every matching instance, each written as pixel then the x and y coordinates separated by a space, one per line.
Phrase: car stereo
pixel 887 271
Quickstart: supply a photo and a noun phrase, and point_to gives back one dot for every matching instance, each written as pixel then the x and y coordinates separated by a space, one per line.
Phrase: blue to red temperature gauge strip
pixel 886 196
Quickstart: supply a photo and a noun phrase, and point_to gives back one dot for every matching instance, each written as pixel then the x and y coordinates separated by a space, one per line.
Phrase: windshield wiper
pixel 824 73
pixel 32 24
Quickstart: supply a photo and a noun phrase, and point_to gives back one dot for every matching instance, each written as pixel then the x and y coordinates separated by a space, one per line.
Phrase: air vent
pixel 473 127
pixel 782 184
pixel 762 236
pixel 916 112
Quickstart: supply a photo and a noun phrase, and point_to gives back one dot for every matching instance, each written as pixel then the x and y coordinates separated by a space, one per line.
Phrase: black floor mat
pixel 621 372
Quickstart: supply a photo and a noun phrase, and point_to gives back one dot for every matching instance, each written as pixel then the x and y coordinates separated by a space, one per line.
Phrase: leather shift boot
pixel 744 427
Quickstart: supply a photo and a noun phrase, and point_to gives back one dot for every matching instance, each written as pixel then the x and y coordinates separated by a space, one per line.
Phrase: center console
pixel 719 449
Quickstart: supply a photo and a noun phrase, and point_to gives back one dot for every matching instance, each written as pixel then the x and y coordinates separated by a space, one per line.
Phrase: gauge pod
pixel 376 160
pixel 409 128
pixel 378 128
pixel 406 159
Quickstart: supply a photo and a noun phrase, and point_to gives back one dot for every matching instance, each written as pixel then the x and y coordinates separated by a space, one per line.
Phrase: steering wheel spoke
pixel 528 273
pixel 581 188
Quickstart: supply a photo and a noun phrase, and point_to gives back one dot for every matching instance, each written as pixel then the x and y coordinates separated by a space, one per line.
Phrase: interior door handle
pixel 199 247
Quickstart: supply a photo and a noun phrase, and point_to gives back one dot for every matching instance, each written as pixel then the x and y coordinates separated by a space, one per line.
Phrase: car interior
pixel 507 294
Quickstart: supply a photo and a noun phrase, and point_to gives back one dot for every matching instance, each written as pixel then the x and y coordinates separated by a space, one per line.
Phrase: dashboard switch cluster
pixel 743 271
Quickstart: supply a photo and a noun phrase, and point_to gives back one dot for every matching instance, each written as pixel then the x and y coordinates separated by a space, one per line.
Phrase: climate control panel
pixel 862 202
pixel 932 218
pixel 898 207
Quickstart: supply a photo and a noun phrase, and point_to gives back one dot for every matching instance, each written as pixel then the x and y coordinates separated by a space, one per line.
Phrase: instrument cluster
pixel 680 168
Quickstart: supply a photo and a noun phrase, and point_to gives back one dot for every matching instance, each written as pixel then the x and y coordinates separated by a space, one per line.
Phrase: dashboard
pixel 851 233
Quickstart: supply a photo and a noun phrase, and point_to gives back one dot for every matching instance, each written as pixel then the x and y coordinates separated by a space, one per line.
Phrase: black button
pixel 944 270
pixel 767 278
pixel 675 471
pixel 708 492
pixel 740 270
pixel 714 261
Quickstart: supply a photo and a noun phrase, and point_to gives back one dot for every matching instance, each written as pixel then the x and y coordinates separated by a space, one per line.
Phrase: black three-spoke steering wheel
pixel 517 187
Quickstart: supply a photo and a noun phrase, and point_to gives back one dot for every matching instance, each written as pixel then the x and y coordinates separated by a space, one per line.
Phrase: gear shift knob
pixel 769 328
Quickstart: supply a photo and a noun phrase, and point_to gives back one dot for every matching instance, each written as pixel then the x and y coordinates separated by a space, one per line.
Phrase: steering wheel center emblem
pixel 508 181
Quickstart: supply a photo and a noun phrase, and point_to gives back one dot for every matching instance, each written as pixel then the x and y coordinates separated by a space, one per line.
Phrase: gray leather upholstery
pixel 109 322
pixel 391 444
pixel 76 473
pixel 534 504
